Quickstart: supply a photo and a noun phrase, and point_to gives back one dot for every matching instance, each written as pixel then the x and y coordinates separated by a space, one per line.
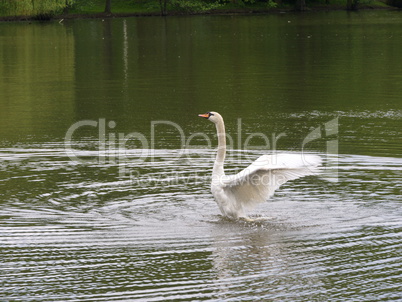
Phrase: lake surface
pixel 105 166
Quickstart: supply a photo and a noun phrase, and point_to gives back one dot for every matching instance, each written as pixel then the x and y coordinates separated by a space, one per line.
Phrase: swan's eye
pixel 210 114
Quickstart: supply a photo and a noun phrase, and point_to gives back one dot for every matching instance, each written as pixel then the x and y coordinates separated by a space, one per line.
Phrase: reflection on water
pixel 81 235
pixel 99 225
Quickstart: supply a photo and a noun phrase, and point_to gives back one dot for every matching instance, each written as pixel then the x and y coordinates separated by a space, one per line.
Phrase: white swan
pixel 236 193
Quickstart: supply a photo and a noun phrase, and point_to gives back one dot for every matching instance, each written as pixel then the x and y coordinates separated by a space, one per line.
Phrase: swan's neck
pixel 220 157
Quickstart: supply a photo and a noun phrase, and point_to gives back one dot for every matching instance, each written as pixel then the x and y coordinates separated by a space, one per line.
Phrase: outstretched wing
pixel 258 182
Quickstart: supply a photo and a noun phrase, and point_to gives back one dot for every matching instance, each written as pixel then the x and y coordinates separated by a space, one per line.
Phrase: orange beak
pixel 205 115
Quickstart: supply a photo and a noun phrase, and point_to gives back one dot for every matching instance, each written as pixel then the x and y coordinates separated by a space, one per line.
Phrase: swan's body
pixel 236 193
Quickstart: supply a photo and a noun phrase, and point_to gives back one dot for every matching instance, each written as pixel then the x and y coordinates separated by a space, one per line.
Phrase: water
pixel 123 212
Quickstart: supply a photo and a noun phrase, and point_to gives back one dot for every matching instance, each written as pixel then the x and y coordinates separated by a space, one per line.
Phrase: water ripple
pixel 73 235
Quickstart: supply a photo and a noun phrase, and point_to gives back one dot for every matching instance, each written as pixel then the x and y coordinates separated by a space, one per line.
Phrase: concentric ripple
pixel 73 232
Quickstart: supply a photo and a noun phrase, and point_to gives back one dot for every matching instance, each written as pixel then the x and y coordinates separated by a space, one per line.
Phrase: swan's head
pixel 214 117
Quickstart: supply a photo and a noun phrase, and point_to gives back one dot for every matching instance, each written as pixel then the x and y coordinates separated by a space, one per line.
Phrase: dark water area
pixel 105 166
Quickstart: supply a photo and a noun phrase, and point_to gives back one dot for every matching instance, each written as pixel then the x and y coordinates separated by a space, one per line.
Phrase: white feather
pixel 258 182
pixel 237 193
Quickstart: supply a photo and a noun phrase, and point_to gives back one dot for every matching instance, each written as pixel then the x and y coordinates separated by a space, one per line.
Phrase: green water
pixel 104 172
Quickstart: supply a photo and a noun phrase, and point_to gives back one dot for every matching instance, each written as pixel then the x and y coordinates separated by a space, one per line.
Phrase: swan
pixel 237 193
